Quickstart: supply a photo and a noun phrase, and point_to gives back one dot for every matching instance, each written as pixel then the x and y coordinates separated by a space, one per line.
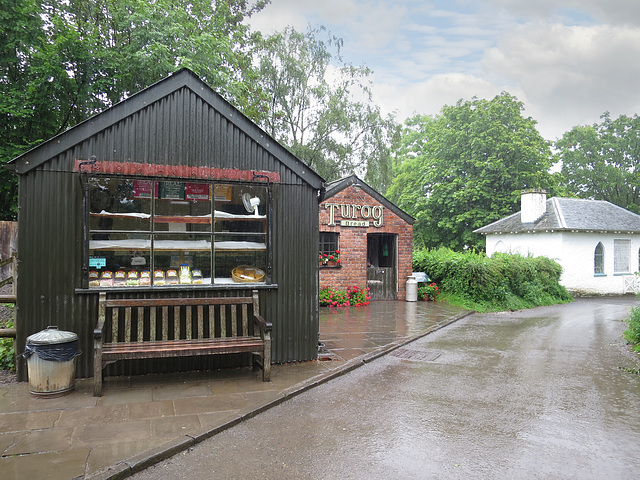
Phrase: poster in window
pixel 197 191
pixel 222 193
pixel 172 190
pixel 142 188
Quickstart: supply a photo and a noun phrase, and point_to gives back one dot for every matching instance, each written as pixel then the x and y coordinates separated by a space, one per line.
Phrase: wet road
pixel 538 394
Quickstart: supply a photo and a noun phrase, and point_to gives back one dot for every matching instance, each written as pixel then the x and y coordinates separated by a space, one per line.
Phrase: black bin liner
pixel 59 352
pixel 52 344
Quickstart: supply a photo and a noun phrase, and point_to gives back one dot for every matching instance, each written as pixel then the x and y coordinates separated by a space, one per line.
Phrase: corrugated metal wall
pixel 179 129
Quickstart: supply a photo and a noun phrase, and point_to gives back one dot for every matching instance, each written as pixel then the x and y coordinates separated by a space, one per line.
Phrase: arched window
pixel 598 260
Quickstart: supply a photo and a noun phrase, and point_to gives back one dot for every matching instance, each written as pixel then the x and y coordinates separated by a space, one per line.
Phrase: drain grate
pixel 415 355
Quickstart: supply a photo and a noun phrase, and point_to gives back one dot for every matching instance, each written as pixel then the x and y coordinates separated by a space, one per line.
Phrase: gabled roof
pixel 183 78
pixel 335 187
pixel 571 214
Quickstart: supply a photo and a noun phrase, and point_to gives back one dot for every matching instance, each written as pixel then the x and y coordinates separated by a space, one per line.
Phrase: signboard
pixel 354 223
pixel 354 215
pixel 142 189
pixel 222 193
pixel 197 191
pixel 97 262
pixel 172 190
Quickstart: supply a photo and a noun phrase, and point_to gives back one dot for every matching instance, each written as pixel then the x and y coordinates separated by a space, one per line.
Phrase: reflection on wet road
pixel 534 394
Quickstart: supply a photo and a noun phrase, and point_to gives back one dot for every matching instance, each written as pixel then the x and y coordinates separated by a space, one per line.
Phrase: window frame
pixel 253 234
pixel 328 244
pixel 598 260
pixel 621 256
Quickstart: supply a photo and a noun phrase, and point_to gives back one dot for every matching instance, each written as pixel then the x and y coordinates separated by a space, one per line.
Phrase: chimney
pixel 533 205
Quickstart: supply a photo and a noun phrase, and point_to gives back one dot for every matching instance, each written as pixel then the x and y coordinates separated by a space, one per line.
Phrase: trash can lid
pixel 51 336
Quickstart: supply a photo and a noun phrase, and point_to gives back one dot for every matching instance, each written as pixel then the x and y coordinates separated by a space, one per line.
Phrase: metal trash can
pixel 51 362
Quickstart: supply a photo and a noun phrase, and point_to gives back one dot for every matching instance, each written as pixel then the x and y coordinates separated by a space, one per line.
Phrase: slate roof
pixel 571 214
pixel 335 187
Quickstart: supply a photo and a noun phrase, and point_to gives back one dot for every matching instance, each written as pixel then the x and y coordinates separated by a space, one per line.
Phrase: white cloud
pixel 568 61
pixel 571 73
pixel 428 97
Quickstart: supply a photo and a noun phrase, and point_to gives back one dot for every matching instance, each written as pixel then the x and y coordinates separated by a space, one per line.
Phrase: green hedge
pixel 502 282
pixel 632 335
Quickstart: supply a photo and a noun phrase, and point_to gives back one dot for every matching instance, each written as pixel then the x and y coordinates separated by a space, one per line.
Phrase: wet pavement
pixel 141 420
pixel 546 393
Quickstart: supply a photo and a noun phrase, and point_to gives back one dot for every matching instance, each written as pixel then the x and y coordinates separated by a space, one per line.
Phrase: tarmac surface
pixel 546 393
pixel 139 421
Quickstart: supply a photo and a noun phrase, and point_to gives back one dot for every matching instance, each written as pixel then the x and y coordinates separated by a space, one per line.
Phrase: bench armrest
pixel 97 332
pixel 102 315
pixel 262 323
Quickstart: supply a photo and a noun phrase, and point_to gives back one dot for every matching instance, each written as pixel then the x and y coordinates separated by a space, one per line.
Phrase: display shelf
pixel 174 245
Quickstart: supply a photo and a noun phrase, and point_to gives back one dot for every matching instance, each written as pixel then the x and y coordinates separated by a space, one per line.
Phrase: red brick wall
pixel 353 242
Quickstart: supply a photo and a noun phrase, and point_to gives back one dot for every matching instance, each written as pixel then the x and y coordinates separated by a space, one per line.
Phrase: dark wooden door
pixel 382 275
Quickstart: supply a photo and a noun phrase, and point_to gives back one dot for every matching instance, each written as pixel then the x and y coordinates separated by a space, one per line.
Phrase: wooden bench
pixel 178 327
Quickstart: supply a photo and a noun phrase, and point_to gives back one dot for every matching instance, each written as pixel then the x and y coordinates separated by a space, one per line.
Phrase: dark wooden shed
pixel 97 198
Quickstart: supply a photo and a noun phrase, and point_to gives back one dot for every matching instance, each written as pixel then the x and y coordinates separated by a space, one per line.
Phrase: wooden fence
pixel 8 268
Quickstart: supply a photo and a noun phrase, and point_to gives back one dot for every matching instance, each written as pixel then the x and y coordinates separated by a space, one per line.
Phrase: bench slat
pixel 165 322
pixel 130 351
pixel 127 325
pixel 176 322
pixel 170 302
pixel 245 321
pixel 114 325
pixel 200 322
pixel 234 320
pixel 152 324
pixel 140 323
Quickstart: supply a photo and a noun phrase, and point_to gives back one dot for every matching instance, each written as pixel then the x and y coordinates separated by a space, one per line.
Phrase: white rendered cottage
pixel 597 243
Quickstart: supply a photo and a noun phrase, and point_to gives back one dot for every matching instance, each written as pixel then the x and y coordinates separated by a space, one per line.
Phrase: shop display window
pixel 147 232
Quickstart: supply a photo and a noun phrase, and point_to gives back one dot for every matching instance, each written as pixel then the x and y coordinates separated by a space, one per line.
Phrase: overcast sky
pixel 568 61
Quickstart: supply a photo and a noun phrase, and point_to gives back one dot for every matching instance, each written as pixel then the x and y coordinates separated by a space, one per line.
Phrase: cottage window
pixel 621 256
pixel 329 242
pixel 169 232
pixel 599 260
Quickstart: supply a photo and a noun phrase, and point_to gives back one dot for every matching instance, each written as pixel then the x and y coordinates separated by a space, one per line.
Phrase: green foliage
pixel 325 116
pixel 352 296
pixel 428 292
pixel 7 352
pixel 466 167
pixel 359 296
pixel 333 297
pixel 632 335
pixel 503 282
pixel 602 161
pixel 63 61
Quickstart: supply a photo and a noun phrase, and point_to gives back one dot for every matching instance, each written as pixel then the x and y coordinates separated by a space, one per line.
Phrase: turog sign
pixel 353 215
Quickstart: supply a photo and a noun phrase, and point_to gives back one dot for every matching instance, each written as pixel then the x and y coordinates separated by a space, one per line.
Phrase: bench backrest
pixel 139 320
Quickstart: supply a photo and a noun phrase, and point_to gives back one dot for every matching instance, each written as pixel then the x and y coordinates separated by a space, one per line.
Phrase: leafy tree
pixel 324 114
pixel 466 167
pixel 602 161
pixel 65 60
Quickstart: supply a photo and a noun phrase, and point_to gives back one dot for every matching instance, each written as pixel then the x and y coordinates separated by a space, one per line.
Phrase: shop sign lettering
pixel 354 215
pixel 354 223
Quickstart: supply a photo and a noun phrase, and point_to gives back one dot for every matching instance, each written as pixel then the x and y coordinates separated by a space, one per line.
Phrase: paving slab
pixel 142 420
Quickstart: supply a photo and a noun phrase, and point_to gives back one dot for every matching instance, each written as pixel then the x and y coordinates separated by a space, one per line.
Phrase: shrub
pixel 353 296
pixel 332 297
pixel 502 282
pixel 428 292
pixel 632 335
pixel 359 296
pixel 7 352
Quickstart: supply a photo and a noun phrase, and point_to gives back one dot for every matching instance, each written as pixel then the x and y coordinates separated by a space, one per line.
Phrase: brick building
pixel 373 236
